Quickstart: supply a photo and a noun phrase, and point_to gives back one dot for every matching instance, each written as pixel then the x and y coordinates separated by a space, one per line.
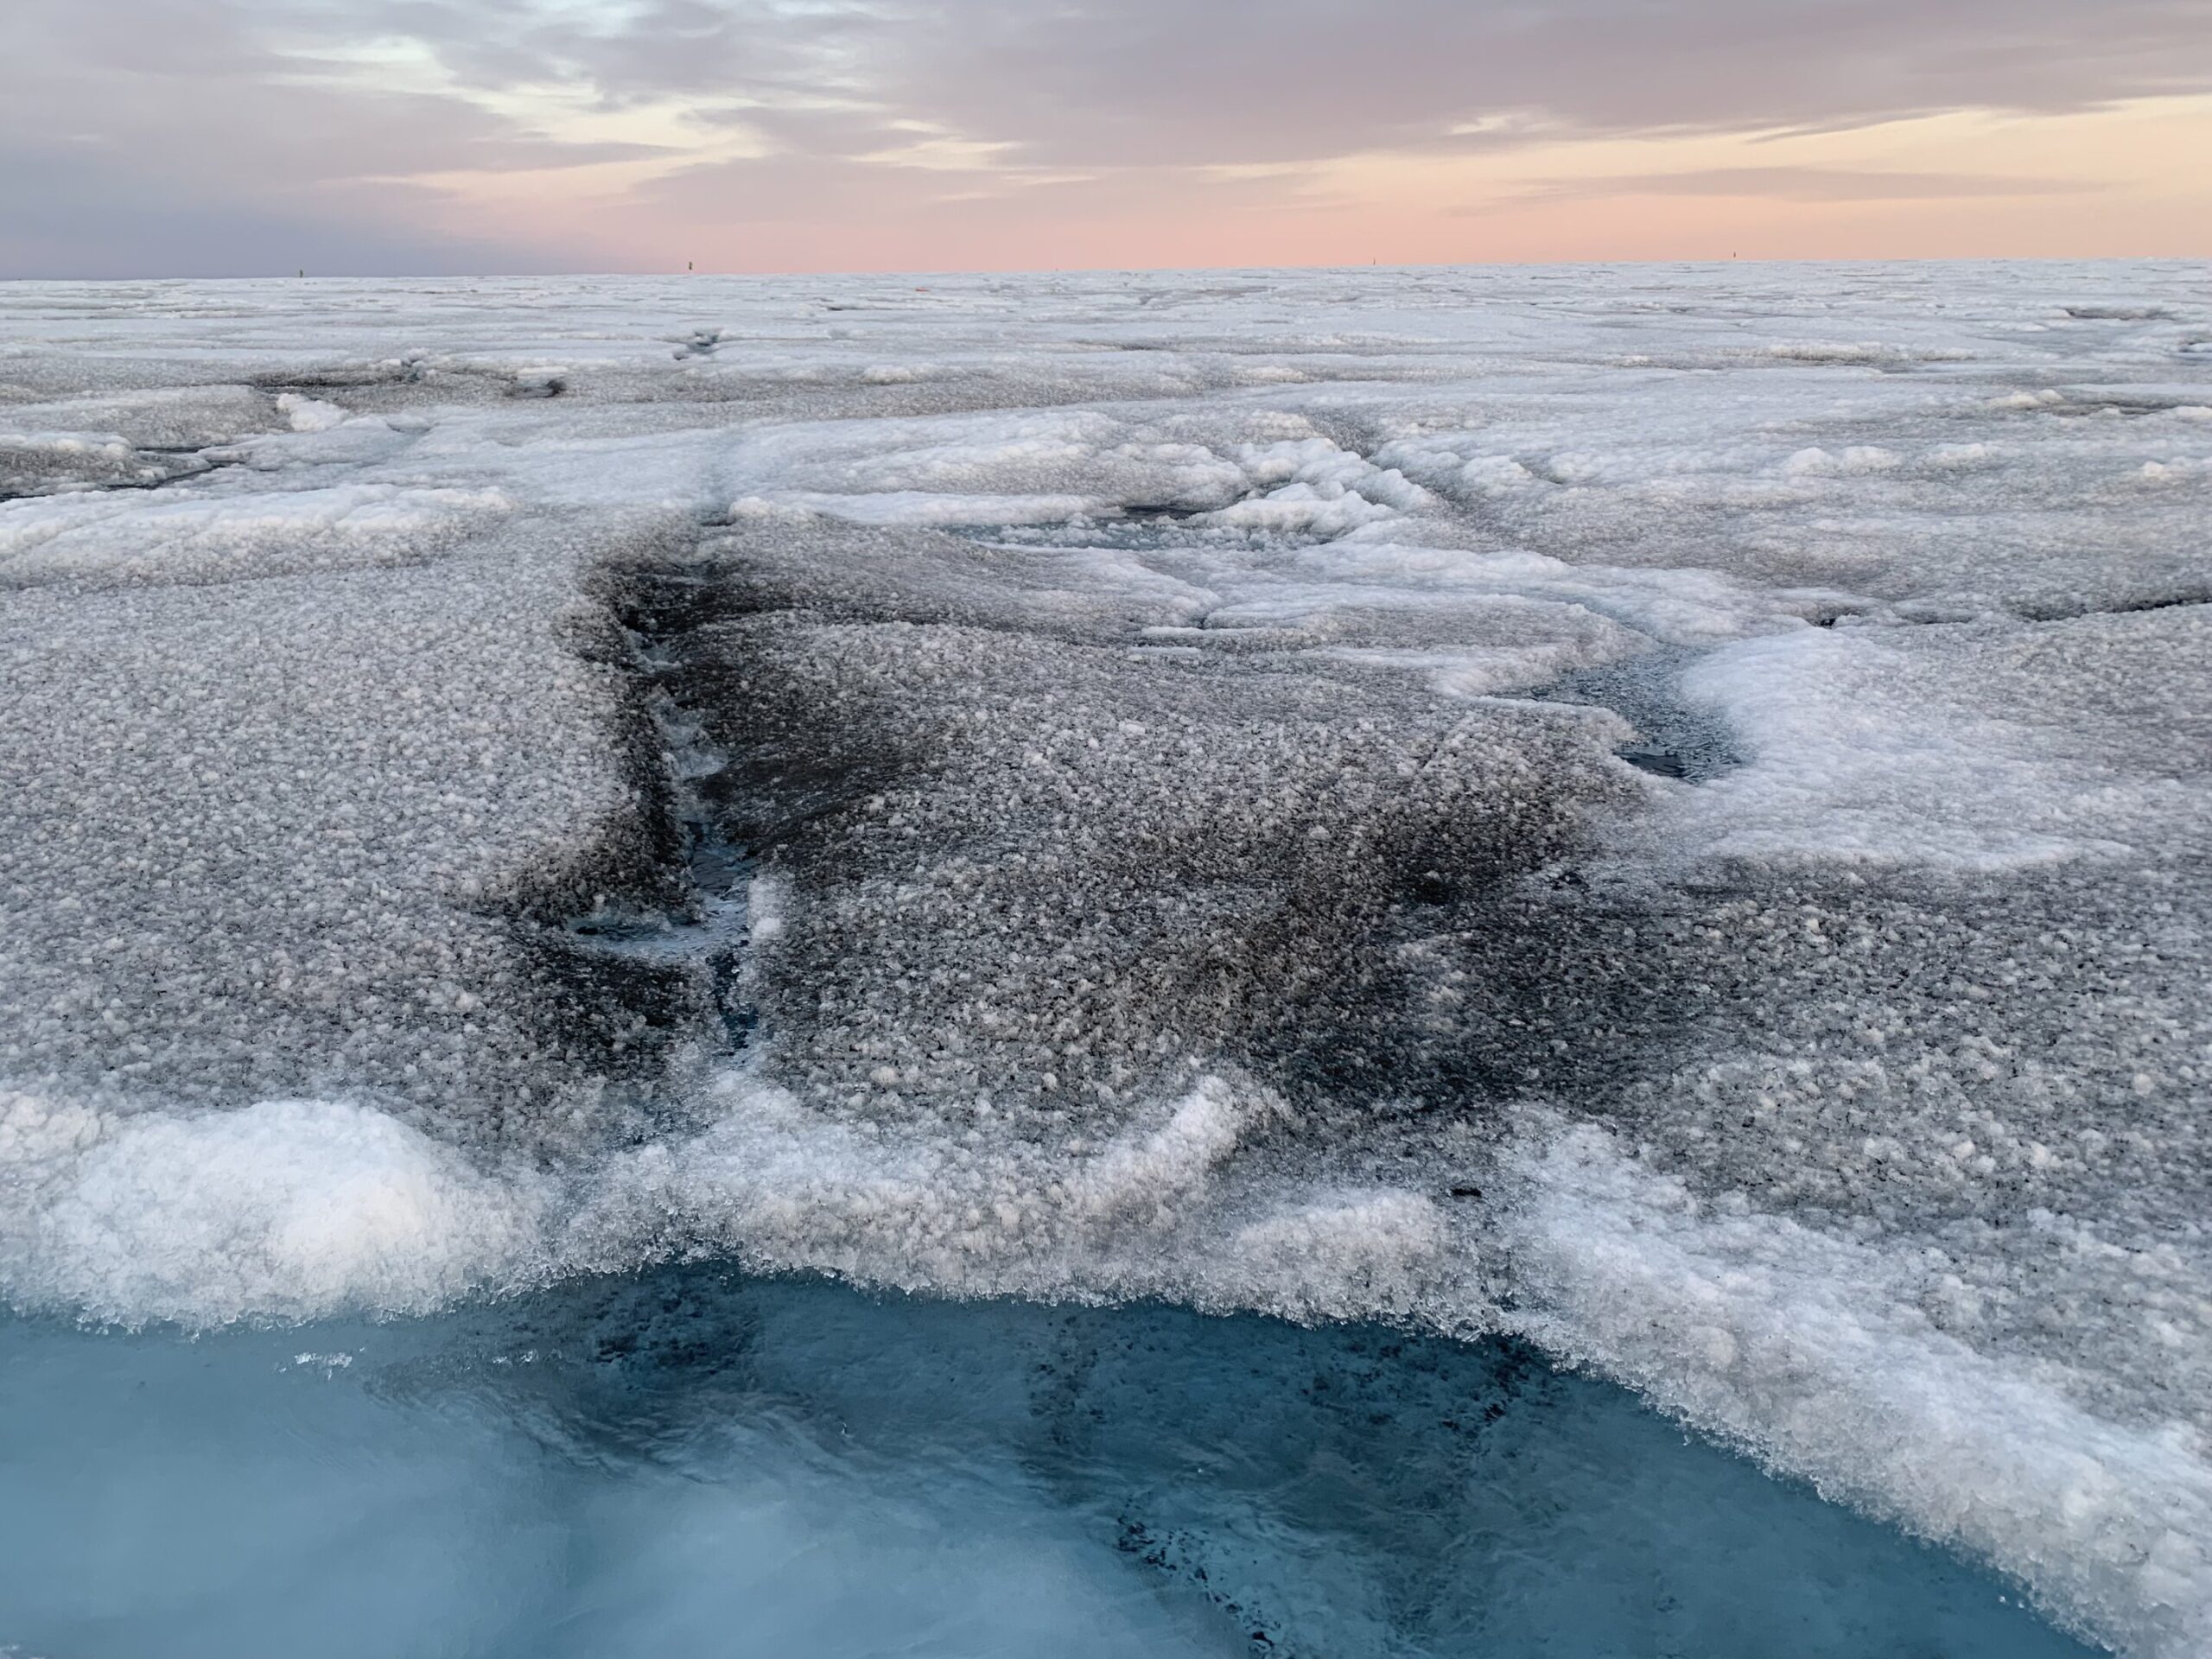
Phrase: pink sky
pixel 230 136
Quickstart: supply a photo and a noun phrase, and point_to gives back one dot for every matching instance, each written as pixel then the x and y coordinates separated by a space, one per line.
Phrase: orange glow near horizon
pixel 2107 183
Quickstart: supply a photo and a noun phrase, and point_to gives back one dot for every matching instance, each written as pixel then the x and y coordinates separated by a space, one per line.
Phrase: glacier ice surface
pixel 1658 812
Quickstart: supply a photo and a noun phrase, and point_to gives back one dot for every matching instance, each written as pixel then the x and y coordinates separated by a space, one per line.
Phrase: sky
pixel 240 137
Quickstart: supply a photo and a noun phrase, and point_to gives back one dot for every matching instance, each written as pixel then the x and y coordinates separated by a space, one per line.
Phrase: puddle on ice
pixel 1679 739
pixel 688 1462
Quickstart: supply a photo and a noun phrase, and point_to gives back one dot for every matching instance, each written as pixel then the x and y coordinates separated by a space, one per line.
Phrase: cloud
pixel 1153 82
pixel 1799 184
pixel 779 193
pixel 179 137
pixel 74 215
pixel 291 113
pixel 1106 83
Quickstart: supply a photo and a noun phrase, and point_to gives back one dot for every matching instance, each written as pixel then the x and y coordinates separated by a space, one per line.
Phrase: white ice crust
pixel 1813 1352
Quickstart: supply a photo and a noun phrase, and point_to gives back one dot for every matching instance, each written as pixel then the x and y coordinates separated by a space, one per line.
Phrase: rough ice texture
pixel 1665 810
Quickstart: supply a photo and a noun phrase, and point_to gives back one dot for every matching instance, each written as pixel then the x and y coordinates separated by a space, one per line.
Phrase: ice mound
pixel 158 418
pixel 1508 809
pixel 1256 472
pixel 1873 351
pixel 138 440
pixel 265 838
pixel 1981 746
pixel 1083 454
pixel 1812 1351
pixel 284 1208
pixel 98 540
pixel 1166 1205
pixel 56 463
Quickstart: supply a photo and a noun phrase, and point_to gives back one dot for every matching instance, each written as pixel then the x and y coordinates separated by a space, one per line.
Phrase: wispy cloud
pixel 341 113
pixel 1798 184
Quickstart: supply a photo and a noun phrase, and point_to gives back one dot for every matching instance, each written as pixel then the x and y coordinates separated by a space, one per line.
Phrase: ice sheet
pixel 1661 808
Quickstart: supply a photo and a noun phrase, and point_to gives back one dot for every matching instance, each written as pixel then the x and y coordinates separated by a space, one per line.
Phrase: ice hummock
pixel 1661 811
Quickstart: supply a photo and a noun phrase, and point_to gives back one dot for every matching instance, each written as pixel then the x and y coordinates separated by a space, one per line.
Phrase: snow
pixel 1659 809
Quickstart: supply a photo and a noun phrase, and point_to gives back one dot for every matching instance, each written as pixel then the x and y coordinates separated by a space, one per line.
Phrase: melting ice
pixel 1654 819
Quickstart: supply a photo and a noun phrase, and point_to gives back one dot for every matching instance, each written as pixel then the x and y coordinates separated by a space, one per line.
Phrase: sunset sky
pixel 158 137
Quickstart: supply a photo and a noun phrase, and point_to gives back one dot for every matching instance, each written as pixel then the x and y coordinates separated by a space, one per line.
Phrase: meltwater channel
pixel 692 1463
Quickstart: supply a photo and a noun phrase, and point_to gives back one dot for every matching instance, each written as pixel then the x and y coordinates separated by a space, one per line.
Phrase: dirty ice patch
pixel 105 542
pixel 284 1209
pixel 156 417
pixel 59 463
pixel 1812 1351
pixel 1868 353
